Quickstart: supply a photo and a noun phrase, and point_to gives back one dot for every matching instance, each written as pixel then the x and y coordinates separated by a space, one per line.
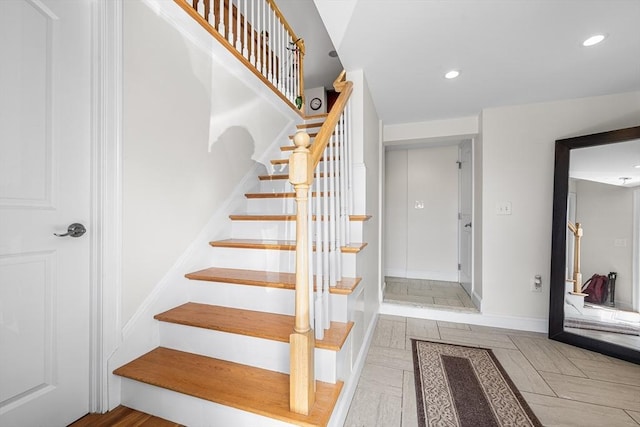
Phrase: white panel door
pixel 464 219
pixel 44 187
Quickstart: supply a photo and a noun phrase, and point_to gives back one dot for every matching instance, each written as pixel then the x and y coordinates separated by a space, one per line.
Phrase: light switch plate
pixel 503 208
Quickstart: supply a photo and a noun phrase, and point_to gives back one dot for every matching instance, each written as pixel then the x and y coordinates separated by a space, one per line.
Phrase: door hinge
pixel 459 164
pixel 459 215
pixel 459 267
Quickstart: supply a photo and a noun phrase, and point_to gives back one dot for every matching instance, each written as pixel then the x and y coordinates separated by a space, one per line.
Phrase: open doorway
pixel 428 227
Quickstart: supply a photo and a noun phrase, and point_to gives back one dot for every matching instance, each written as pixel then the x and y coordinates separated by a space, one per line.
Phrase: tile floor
pixel 564 385
pixel 427 293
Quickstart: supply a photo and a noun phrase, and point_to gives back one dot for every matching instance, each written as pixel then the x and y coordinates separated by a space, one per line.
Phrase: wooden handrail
pixel 344 87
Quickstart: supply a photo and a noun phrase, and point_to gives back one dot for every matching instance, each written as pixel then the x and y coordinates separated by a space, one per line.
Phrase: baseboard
pixel 496 321
pixel 348 391
pixel 444 276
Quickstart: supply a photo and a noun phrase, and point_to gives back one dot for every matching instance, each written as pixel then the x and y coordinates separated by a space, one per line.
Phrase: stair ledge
pixel 267 279
pixel 283 245
pixel 231 384
pixel 283 176
pixel 258 217
pixel 276 327
pixel 290 195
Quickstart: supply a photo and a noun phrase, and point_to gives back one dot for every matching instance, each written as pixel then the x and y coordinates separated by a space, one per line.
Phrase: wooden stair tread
pixel 276 327
pixel 309 125
pixel 258 217
pixel 285 195
pixel 283 245
pixel 284 176
pixel 293 147
pixel 285 161
pixel 269 279
pixel 231 384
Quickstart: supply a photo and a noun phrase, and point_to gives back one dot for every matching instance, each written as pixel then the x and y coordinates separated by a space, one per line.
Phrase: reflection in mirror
pixel 600 266
pixel 595 268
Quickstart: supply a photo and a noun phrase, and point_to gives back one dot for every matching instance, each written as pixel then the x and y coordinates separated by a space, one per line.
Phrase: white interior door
pixel 464 219
pixel 44 186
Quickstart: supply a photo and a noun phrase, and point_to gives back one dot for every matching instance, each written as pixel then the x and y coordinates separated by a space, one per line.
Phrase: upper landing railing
pixel 259 36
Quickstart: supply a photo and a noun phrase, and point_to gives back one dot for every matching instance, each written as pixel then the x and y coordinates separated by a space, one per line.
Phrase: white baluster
pixel 212 13
pixel 265 37
pixel 245 48
pixel 221 16
pixel 230 23
pixel 281 57
pixel 344 220
pixel 200 8
pixel 325 224
pixel 336 197
pixel 333 247
pixel 238 31
pixel 270 44
pixel 252 44
pixel 318 320
pixel 312 296
pixel 350 160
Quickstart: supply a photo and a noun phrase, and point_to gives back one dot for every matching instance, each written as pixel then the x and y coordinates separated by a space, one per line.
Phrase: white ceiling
pixel 319 68
pixel 608 163
pixel 508 51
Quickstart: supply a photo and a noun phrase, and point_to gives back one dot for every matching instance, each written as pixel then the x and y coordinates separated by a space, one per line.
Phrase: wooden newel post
pixel 302 384
pixel 577 275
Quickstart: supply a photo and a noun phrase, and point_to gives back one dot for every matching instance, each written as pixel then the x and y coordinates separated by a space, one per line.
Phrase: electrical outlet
pixel 536 283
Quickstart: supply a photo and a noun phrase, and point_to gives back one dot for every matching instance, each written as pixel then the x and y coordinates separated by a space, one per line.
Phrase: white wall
pixel 422 242
pixel 606 215
pixel 395 213
pixel 517 166
pixel 366 156
pixel 192 131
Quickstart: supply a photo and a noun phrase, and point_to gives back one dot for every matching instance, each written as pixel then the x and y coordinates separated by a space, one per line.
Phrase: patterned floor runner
pixel 466 387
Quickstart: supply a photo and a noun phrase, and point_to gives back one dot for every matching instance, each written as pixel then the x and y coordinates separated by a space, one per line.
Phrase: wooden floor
pixel 122 417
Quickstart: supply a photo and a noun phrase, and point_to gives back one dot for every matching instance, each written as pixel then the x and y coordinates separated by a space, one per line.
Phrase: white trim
pixel 635 288
pixel 344 401
pixel 106 216
pixel 381 201
pixel 445 276
pixel 496 321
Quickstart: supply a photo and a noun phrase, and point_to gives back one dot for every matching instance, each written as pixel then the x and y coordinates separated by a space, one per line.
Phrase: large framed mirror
pixel 595 253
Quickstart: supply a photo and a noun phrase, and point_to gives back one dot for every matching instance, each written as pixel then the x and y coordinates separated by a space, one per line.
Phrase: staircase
pixel 223 357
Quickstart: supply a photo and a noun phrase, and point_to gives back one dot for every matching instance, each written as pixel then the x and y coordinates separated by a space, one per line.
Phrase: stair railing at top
pixel 330 204
pixel 257 33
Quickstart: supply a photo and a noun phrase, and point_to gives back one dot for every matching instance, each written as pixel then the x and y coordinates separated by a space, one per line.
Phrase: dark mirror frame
pixel 558 243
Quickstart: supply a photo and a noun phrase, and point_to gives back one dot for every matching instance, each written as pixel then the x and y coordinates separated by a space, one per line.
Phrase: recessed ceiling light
pixel 637 166
pixel 593 40
pixel 452 74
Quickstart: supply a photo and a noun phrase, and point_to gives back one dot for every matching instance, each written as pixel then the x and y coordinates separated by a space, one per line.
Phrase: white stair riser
pixel 264 353
pixel 257 298
pixel 280 230
pixel 270 260
pixel 260 298
pixel 275 206
pixel 276 186
pixel 187 410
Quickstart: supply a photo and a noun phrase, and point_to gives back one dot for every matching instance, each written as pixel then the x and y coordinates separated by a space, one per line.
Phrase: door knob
pixel 467 225
pixel 74 230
